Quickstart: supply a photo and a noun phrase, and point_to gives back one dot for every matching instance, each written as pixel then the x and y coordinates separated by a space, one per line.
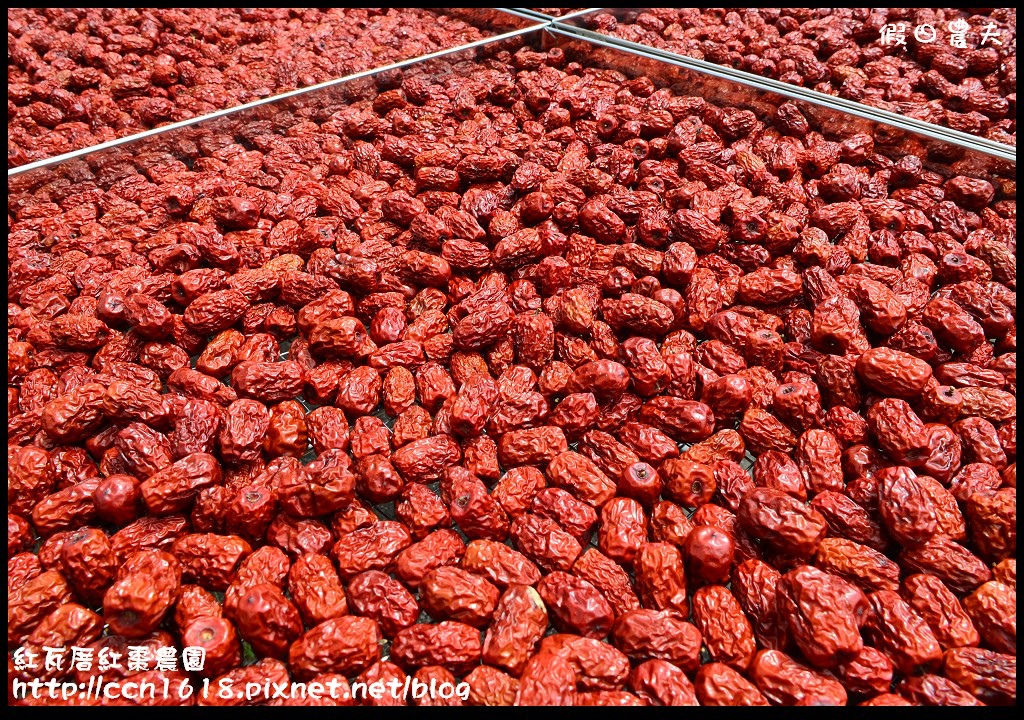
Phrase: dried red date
pixel 568 324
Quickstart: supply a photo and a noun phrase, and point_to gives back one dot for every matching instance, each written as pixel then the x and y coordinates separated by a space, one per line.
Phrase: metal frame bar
pixel 936 132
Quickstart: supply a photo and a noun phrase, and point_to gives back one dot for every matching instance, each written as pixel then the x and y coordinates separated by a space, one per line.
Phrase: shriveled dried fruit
pixel 469 346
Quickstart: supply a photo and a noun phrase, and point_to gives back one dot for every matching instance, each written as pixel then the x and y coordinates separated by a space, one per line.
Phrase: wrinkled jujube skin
pixel 521 370
pixel 823 614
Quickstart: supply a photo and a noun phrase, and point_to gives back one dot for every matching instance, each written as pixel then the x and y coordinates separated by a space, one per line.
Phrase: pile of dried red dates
pixel 905 60
pixel 461 379
pixel 81 76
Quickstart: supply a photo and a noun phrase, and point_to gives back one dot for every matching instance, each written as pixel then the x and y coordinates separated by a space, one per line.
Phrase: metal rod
pixel 57 159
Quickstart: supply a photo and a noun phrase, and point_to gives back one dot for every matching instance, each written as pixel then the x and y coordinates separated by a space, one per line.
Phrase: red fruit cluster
pixel 461 375
pixel 906 60
pixel 81 76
